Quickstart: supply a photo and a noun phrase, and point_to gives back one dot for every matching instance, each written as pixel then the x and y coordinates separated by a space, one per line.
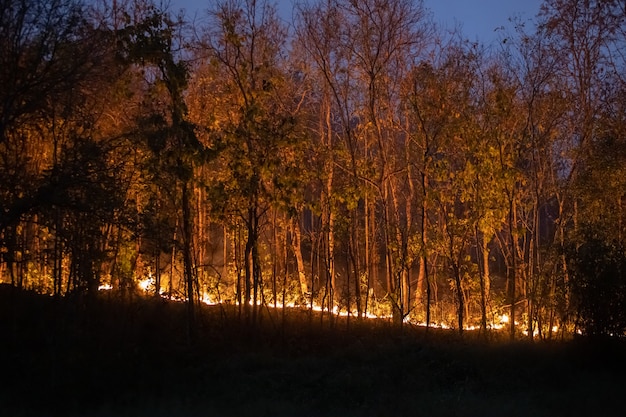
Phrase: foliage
pixel 598 285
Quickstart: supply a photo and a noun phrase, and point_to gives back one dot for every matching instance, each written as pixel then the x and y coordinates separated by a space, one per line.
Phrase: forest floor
pixel 134 358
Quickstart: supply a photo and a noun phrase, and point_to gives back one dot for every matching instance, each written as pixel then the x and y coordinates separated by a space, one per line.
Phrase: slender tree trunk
pixel 225 260
pixel 57 266
pixel 552 308
pixel 403 284
pixel 513 270
pixel 330 215
pixel 619 219
pixel 173 261
pixel 274 254
pixel 200 234
pixel 285 276
pixel 533 269
pixel 423 273
pixel 389 261
pixel 11 253
pixel 409 208
pixel 256 274
pixel 355 262
pixel 330 260
pixel 315 269
pixel 458 285
pixel 482 245
pixel 247 299
pixel 237 254
pixel 368 261
pixel 296 244
pixel 188 261
pixel 563 257
pixel 157 272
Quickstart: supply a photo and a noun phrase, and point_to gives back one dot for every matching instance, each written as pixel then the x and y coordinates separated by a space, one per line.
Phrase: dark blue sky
pixel 478 18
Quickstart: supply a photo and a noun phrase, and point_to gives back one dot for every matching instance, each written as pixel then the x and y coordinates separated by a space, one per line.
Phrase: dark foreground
pixel 65 358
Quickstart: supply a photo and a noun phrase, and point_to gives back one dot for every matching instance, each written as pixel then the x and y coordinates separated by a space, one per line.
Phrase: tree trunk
pixel 356 264
pixel 248 268
pixel 483 257
pixel 274 255
pixel 459 293
pixel 391 286
pixel 513 270
pixel 256 275
pixel 330 259
pixel 188 261
pixel 296 243
pixel 368 261
pixel 172 262
pixel 237 257
pixel 423 274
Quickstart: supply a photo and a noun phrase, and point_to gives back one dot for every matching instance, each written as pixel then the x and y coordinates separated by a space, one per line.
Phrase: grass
pixel 133 358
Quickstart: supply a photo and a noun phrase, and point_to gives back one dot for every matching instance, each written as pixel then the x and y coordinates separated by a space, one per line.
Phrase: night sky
pixel 478 18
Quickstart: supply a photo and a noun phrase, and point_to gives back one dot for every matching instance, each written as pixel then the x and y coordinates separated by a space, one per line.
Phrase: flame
pixel 148 284
pixel 207 299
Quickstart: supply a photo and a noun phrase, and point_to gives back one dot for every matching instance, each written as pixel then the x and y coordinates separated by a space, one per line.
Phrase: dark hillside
pixel 111 358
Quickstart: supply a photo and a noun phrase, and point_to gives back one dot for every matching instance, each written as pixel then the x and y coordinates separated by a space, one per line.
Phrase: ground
pixel 104 357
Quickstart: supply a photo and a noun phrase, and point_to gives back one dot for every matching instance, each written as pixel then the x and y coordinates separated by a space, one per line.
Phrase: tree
pixel 255 128
pixel 56 58
pixel 359 53
pixel 585 37
pixel 48 49
pixel 170 135
pixel 598 285
pixel 328 63
pixel 387 38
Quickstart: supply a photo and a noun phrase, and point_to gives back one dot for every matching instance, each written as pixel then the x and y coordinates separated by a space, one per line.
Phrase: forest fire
pixel 463 188
pixel 245 210
pixel 146 285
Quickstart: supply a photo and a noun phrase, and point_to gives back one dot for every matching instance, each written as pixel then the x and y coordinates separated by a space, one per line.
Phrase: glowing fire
pixel 147 284
pixel 208 300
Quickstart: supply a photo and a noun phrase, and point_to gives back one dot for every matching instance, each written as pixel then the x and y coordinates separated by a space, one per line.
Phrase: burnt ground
pixel 108 357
